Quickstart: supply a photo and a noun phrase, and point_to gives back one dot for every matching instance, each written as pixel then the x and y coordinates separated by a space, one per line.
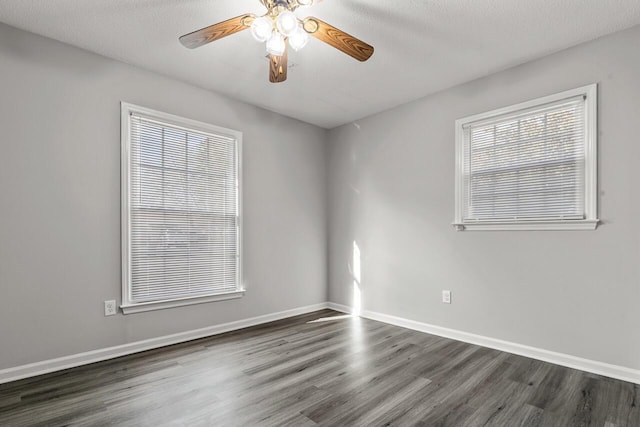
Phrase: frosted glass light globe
pixel 261 28
pixel 287 23
pixel 275 45
pixel 299 39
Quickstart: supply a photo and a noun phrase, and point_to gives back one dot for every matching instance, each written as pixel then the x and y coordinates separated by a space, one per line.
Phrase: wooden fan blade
pixel 337 38
pixel 278 67
pixel 217 31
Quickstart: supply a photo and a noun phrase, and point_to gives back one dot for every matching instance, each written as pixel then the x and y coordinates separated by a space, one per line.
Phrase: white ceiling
pixel 421 46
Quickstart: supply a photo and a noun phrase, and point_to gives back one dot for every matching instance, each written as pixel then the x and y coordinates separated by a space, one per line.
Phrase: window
pixel 180 211
pixel 531 166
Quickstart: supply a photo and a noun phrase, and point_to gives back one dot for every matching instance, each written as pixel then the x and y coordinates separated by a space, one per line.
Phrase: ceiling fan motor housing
pixel 284 3
pixel 279 5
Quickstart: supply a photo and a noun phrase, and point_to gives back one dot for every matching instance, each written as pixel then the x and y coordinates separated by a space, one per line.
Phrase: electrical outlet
pixel 446 297
pixel 110 307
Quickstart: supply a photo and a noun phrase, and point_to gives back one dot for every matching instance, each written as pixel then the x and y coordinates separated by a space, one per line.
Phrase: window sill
pixel 160 305
pixel 587 224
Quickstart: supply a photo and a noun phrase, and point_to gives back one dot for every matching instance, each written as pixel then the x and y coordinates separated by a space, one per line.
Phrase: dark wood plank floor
pixel 321 369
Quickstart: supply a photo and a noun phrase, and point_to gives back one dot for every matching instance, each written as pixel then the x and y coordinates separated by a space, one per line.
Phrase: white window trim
pixel 128 306
pixel 591 163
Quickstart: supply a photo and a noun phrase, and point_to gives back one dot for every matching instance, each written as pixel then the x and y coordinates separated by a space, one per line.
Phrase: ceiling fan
pixel 277 27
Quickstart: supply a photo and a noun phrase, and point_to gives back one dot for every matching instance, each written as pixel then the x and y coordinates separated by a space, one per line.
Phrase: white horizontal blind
pixel 528 165
pixel 184 223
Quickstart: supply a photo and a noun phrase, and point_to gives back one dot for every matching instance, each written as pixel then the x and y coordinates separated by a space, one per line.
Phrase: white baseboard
pixel 52 365
pixel 600 368
pixel 339 307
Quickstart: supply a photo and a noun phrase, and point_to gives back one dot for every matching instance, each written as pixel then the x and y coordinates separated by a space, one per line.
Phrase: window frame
pixel 128 306
pixel 590 221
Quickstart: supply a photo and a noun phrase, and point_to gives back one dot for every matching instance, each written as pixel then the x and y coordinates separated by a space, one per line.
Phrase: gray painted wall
pixel 388 185
pixel 391 186
pixel 60 202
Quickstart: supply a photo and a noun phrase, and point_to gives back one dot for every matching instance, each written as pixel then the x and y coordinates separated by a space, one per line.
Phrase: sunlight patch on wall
pixel 357 292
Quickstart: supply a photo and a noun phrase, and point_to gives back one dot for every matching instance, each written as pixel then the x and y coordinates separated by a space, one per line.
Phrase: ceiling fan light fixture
pixel 287 23
pixel 261 28
pixel 275 45
pixel 299 39
pixel 277 27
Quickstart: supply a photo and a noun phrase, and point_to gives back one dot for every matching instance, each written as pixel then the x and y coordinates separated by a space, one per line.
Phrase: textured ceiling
pixel 421 46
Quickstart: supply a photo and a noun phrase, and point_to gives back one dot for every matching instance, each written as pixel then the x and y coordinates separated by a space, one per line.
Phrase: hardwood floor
pixel 324 369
